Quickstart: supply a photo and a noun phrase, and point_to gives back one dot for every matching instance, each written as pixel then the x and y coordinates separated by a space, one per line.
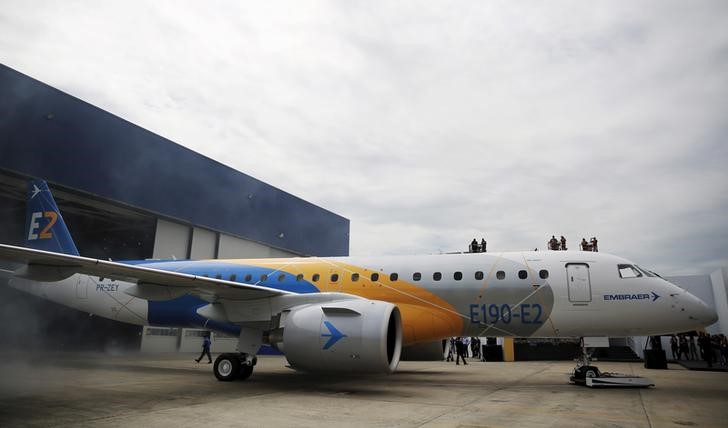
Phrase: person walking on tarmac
pixel 462 350
pixel 451 350
pixel 205 349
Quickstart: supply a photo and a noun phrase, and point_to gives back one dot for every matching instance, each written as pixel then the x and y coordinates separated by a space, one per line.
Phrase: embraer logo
pixel 654 296
pixel 36 190
pixel 334 336
pixel 52 217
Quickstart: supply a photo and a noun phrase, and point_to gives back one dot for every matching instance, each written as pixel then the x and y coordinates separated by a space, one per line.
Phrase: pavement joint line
pixel 460 407
pixel 480 397
pixel 128 413
pixel 644 408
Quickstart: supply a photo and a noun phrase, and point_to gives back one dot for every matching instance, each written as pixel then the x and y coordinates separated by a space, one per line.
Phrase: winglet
pixel 44 227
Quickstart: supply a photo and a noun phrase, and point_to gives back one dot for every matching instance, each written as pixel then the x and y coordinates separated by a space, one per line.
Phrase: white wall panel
pixel 171 240
pixel 203 244
pixel 719 280
pixel 233 248
pixel 153 343
pixel 274 252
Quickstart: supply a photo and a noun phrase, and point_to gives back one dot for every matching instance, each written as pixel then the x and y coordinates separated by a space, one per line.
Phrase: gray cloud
pixel 429 124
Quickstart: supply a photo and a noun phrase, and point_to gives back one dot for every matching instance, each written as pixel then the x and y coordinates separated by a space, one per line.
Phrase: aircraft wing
pixel 151 283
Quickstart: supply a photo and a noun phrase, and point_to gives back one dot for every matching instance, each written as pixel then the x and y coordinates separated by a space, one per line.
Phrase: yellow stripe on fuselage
pixel 425 316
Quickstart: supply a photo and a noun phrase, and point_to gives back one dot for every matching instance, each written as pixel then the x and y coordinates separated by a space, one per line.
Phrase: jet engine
pixel 363 336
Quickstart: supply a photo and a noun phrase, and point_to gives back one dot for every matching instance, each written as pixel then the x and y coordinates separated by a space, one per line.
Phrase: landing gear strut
pixel 232 366
pixel 589 375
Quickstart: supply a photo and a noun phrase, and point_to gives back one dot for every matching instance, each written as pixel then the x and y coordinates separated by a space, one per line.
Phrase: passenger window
pixel 281 277
pixel 334 277
pixel 315 277
pixel 233 277
pixel 628 271
pixel 478 275
pixel 375 277
pixel 500 274
pixel 416 276
pixel 264 277
pixel 437 276
pixel 543 274
pixel 299 277
pixel 393 277
pixel 522 274
pixel 458 276
pixel 248 278
pixel 355 277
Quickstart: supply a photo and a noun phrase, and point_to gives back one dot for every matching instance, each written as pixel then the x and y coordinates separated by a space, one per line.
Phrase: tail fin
pixel 44 225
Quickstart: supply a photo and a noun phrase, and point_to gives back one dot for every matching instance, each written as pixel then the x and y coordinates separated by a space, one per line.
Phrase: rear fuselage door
pixel 578 282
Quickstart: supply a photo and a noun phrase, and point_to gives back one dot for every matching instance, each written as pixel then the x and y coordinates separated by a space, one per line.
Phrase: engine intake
pixel 363 336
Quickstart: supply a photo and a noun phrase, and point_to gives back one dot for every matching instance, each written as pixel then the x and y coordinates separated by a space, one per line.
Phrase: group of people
pixel 459 347
pixel 713 348
pixel 560 244
pixel 476 247
pixel 557 244
pixel 553 244
pixel 589 246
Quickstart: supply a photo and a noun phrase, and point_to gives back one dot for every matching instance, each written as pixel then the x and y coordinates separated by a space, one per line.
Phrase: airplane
pixel 352 314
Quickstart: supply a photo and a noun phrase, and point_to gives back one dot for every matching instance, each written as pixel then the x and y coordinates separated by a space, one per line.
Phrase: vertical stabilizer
pixel 44 225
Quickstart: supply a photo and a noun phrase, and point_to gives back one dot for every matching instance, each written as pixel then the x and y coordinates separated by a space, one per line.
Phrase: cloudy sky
pixel 428 123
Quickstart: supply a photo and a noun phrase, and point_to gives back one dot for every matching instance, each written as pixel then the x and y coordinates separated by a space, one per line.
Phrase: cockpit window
pixel 628 271
pixel 645 271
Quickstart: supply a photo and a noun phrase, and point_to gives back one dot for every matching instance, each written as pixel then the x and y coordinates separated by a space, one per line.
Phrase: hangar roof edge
pixel 48 133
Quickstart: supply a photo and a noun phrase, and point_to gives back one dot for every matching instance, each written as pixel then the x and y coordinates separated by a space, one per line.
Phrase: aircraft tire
pixel 227 367
pixel 245 372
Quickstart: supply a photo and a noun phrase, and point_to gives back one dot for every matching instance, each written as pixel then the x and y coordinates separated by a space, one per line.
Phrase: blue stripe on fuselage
pixel 226 270
pixel 182 311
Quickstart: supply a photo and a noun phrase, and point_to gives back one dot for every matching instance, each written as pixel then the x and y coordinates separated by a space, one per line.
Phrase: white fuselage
pixel 483 294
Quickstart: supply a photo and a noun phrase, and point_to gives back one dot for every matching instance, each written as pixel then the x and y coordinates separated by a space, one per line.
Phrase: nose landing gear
pixel 589 375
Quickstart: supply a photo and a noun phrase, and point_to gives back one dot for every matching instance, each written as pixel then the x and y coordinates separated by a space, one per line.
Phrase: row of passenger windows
pixel 417 276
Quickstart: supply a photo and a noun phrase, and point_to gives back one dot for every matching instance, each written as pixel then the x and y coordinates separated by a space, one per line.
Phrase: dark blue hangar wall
pixel 49 134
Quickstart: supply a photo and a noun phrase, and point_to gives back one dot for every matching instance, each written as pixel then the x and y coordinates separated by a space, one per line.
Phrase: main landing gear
pixel 589 375
pixel 232 366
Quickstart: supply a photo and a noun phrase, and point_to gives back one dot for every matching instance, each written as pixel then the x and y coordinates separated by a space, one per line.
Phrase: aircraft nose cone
pixel 703 313
pixel 709 315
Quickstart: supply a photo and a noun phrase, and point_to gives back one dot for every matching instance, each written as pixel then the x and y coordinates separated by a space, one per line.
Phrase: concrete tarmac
pixel 173 391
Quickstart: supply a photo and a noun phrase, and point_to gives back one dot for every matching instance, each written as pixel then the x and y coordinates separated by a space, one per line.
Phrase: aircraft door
pixel 82 287
pixel 579 284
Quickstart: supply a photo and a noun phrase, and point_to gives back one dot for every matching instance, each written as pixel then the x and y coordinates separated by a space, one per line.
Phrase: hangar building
pixel 127 193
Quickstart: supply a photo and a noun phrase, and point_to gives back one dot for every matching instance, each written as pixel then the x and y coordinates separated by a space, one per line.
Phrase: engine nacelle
pixel 363 336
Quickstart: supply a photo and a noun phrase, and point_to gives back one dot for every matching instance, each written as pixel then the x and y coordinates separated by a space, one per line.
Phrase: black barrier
pixel 655 359
pixel 493 352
